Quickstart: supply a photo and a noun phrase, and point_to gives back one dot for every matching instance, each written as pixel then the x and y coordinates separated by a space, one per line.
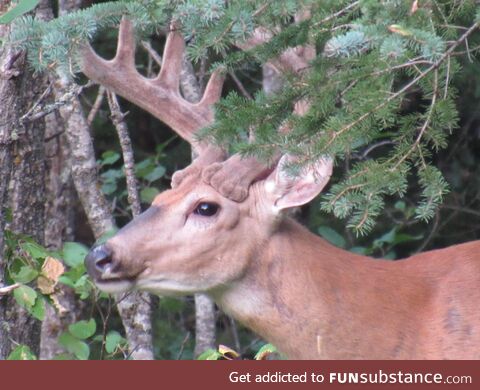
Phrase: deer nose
pixel 99 262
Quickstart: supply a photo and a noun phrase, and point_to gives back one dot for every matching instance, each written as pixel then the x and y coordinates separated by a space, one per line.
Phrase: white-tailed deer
pixel 222 236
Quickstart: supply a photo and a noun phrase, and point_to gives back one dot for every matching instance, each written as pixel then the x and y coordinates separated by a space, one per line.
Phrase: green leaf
pixel 83 329
pixel 25 296
pixel 66 280
pixel 109 157
pixel 113 340
pixel 22 352
pixel 79 348
pixel 332 236
pixel 266 350
pixel 387 238
pixel 83 287
pixel 23 7
pixel 71 277
pixel 25 275
pixel 210 354
pixel 63 356
pixel 156 173
pixel 38 309
pixel 143 168
pixel 148 194
pixel 108 188
pixel 359 249
pixel 34 250
pixel 74 253
pixel 403 237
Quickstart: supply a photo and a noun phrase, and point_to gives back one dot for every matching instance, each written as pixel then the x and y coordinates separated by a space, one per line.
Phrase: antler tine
pixel 213 90
pixel 169 75
pixel 250 169
pixel 159 96
pixel 288 60
pixel 125 55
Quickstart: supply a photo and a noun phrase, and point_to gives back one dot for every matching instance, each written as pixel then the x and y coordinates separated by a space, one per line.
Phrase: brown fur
pixel 307 297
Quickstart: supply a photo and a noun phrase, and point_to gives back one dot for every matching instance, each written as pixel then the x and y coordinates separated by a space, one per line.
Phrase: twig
pixel 424 127
pixel 182 346
pixel 152 52
pixel 96 105
pixel 240 86
pixel 430 236
pixel 337 14
pixel 434 66
pixel 37 103
pixel 7 289
pixel 368 150
pixel 126 145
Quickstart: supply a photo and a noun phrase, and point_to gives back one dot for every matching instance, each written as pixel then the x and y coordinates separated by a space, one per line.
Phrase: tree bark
pixel 22 171
pixel 59 227
pixel 134 310
pixel 204 306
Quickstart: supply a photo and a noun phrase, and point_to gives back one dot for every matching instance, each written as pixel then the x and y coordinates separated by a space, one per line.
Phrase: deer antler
pixel 159 96
pixel 249 169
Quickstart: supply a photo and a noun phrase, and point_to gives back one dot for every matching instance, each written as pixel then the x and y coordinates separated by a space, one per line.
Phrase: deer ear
pixel 286 190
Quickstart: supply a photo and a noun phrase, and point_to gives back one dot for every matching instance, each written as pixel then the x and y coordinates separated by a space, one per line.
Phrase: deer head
pixel 188 240
pixel 193 239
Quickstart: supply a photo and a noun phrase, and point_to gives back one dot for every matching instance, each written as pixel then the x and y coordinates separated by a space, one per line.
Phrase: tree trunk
pixel 22 174
pixel 59 226
pixel 204 306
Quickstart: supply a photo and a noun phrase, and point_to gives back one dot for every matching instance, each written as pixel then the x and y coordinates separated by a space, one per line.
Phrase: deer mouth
pixel 114 286
pixel 107 273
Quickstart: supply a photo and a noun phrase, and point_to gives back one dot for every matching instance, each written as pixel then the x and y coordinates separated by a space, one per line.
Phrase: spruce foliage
pixel 373 58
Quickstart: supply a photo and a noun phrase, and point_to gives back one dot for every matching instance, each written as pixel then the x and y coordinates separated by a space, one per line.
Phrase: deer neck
pixel 312 300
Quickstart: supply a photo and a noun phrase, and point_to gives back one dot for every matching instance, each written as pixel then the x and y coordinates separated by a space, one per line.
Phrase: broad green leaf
pixel 34 250
pixel 38 309
pixel 112 175
pixel 109 157
pixel 83 329
pixel 112 341
pixel 63 356
pixel 388 238
pixel 332 236
pixel 74 253
pixel 148 194
pixel 156 173
pixel 25 275
pixel 359 249
pixel 83 287
pixel 25 296
pixel 403 237
pixel 22 7
pixel 210 354
pixel 144 167
pixel 109 187
pixel 266 350
pixel 22 352
pixel 77 347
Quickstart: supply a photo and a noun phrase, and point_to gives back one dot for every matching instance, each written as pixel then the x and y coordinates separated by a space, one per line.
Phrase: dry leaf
pixel 228 353
pixel 56 302
pixel 52 269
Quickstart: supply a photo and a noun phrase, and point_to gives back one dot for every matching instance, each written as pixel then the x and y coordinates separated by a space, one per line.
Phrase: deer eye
pixel 206 209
